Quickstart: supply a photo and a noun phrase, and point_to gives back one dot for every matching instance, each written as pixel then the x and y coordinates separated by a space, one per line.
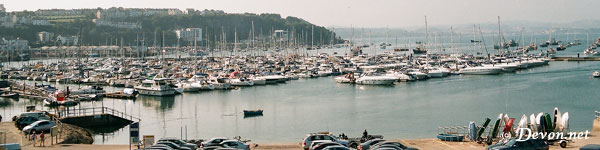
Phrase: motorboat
pixel 481 70
pixel 241 82
pixel 156 87
pixel 375 79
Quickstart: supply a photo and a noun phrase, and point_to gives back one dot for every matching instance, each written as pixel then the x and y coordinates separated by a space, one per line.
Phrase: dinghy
pixel 450 137
pixel 532 123
pixel 565 122
pixel 557 119
pixel 251 113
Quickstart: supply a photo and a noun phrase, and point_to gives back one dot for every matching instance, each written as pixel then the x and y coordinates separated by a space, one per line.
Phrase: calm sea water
pixel 405 110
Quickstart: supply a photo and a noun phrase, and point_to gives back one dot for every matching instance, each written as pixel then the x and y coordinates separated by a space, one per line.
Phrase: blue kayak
pixel 451 137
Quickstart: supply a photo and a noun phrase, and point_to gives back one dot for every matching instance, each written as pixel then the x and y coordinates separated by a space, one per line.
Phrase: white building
pixel 189 34
pixel 17 44
pixel 45 36
pixel 2 9
pixel 280 35
pixel 67 40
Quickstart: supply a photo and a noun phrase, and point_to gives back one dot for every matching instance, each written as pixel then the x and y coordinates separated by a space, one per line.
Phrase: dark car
pixel 513 144
pixel 590 147
pixel 392 143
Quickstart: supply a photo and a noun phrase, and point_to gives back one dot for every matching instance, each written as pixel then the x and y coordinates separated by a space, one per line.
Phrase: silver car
pixel 213 142
pixel 235 144
pixel 38 126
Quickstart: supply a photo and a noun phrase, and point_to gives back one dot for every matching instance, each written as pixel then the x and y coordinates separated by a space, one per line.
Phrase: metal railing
pixel 78 112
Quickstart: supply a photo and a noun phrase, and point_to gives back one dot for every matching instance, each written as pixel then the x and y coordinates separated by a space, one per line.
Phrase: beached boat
pixel 451 137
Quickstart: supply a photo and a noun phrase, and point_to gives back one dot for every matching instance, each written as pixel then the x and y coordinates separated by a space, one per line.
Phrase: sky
pixel 361 13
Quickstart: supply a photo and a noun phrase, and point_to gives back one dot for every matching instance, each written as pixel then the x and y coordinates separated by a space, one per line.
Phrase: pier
pixel 98 119
pixel 596 127
pixel 576 58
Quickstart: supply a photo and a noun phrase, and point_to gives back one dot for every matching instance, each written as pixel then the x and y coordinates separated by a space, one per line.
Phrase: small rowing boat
pixel 250 113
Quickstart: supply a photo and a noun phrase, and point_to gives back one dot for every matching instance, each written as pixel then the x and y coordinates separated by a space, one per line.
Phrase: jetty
pixel 97 119
pixel 576 58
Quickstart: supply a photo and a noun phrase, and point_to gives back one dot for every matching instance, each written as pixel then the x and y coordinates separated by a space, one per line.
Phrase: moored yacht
pixel 481 70
pixel 375 79
pixel 155 87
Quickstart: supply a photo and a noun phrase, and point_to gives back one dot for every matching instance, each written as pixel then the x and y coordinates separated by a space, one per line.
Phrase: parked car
pixel 213 142
pixel 235 144
pixel 317 142
pixel 322 146
pixel 392 143
pixel 25 121
pixel 513 144
pixel 172 145
pixel 590 147
pixel 38 126
pixel 320 136
pixel 10 146
pixel 159 147
pixel 336 147
pixel 179 142
pixel 367 145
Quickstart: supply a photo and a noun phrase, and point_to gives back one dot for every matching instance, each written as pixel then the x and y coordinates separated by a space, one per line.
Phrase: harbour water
pixel 405 110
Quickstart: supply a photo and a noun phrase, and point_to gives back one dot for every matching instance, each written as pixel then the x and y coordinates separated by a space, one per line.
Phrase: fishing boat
pixel 450 137
pixel 155 87
pixel 58 98
pixel 250 113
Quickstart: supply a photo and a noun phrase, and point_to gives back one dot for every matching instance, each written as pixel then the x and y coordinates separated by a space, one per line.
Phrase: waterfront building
pixel 189 34
pixel 67 40
pixel 45 36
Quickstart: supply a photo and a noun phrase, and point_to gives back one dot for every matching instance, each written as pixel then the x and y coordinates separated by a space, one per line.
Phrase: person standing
pixel 33 137
pixel 42 139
